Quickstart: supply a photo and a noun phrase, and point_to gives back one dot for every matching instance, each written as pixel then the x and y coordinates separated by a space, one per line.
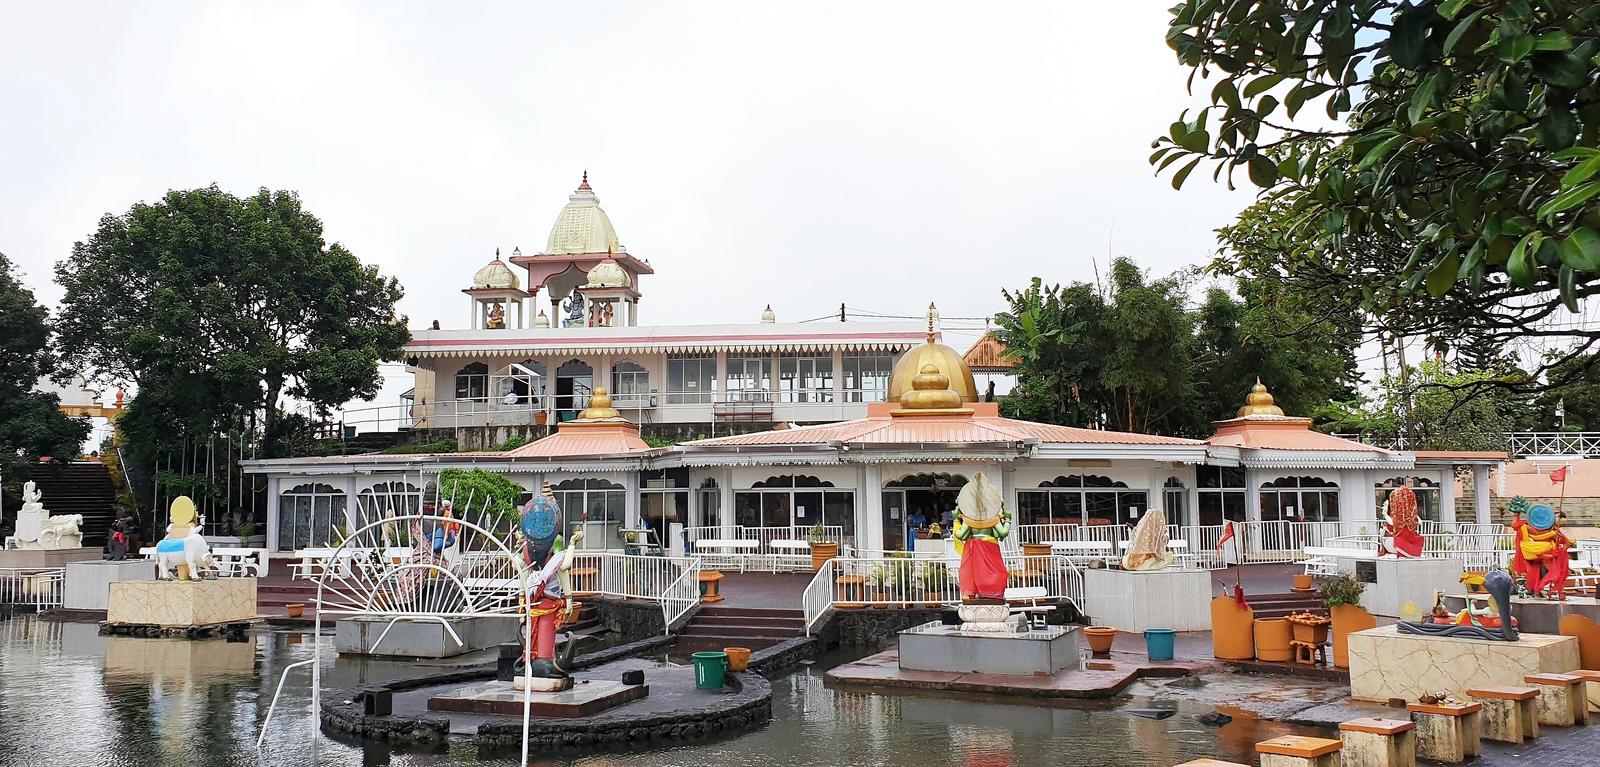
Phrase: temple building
pixel 538 343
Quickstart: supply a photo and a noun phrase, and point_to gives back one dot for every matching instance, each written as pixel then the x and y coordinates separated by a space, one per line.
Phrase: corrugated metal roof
pixel 1292 439
pixel 587 440
pixel 989 355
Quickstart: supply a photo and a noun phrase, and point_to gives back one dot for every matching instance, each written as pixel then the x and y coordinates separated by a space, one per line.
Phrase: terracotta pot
pixel 295 609
pixel 738 658
pixel 1232 630
pixel 1302 582
pixel 1100 638
pixel 1272 639
pixel 1348 618
pixel 1315 633
pixel 821 553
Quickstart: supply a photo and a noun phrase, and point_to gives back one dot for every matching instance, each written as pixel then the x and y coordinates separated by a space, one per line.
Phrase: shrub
pixel 1341 589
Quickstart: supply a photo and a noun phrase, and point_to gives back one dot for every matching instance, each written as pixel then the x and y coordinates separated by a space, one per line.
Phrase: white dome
pixel 767 315
pixel 583 226
pixel 496 274
pixel 608 274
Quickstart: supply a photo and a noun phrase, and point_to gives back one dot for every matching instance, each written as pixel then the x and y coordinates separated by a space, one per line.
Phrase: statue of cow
pixel 184 558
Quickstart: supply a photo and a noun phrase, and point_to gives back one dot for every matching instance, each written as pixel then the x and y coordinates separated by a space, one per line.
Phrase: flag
pixel 1227 532
pixel 1559 475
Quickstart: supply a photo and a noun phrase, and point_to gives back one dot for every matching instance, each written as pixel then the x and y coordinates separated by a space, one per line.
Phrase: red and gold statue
pixel 1540 556
pixel 1399 537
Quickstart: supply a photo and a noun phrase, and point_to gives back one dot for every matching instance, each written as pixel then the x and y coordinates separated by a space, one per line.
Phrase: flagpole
pixel 1561 506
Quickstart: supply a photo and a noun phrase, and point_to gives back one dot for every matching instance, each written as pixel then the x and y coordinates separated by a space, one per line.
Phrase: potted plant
pixel 821 550
pixel 1341 594
pixel 1302 582
pixel 903 572
pixel 879 580
pixel 935 583
pixel 1100 638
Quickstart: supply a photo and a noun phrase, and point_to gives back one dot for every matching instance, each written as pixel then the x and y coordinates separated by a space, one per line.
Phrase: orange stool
pixel 1563 699
pixel 1510 714
pixel 1447 732
pixel 1299 751
pixel 1371 742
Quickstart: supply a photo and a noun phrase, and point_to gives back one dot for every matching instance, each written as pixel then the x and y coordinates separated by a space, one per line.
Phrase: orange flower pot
pixel 1272 639
pixel 1302 582
pixel 1348 618
pixel 1232 630
pixel 738 658
pixel 1100 638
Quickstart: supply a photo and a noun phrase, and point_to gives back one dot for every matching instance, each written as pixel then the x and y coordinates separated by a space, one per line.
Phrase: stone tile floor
pixel 1572 746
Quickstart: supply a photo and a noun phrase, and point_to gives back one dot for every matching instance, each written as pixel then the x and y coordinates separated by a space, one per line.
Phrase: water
pixel 69 696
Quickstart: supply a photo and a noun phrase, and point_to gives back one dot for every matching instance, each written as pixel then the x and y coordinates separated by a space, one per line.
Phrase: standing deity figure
pixel 574 307
pixel 544 551
pixel 1540 555
pixel 1399 536
pixel 981 522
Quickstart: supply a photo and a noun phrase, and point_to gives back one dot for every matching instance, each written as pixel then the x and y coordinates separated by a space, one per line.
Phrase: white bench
pixel 1030 595
pixel 1079 550
pixel 1177 544
pixel 1336 552
pixel 240 562
pixel 788 545
pixel 726 546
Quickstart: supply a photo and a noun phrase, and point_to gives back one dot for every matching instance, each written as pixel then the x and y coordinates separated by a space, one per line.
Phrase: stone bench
pixel 1299 751
pixel 1448 732
pixel 1371 742
pixel 1563 699
pixel 1510 714
pixel 1591 686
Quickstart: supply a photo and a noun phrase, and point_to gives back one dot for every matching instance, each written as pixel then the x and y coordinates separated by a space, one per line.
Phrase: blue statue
pixel 574 307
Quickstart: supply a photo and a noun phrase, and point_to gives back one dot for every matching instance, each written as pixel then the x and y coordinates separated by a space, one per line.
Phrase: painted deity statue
pixel 1488 613
pixel 544 551
pixel 184 554
pixel 120 539
pixel 1399 536
pixel 497 318
pixel 1540 555
pixel 574 307
pixel 981 523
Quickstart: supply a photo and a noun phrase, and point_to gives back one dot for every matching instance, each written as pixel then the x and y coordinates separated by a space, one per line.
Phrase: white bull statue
pixel 186 557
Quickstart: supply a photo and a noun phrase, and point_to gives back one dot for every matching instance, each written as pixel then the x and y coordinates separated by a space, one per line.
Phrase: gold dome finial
pixel 599 408
pixel 1259 402
pixel 931 394
pixel 933 315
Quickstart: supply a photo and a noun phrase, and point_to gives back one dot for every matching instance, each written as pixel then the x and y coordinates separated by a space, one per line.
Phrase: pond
pixel 69 696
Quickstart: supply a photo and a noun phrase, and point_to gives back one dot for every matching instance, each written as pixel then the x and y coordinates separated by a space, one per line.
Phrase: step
pixel 746 620
pixel 719 641
pixel 781 633
pixel 750 612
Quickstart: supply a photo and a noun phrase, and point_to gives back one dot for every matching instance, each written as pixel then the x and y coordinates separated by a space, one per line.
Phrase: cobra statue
pixel 1494 623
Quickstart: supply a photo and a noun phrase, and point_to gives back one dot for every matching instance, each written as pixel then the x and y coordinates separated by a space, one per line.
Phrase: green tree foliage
pixel 1438 408
pixel 1578 397
pixel 220 306
pixel 31 423
pixel 1133 356
pixel 1449 184
pixel 479 494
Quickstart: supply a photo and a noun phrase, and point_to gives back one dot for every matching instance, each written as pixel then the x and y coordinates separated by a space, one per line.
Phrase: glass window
pixel 749 379
pixel 1082 499
pixel 630 383
pixel 1174 499
pixel 786 501
pixel 1300 499
pixel 1428 503
pixel 605 503
pixel 1220 477
pixel 690 380
pixel 307 515
pixel 805 379
pixel 387 500
pixel 866 378
pixel 472 381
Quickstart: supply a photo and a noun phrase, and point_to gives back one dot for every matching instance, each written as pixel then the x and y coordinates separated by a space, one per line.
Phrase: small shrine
pixel 495 290
pixel 36 529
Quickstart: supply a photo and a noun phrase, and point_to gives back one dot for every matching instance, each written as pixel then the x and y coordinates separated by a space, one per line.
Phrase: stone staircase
pixel 753 627
pixel 1282 605
pixel 79 487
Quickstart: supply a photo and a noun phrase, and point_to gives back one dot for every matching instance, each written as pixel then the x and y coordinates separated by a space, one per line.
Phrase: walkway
pixel 1565 746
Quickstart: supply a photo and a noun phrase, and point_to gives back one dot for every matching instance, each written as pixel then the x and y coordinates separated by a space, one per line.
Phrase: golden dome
pixel 608 274
pixel 599 408
pixel 1259 402
pixel 930 390
pixel 583 226
pixel 496 274
pixel 945 360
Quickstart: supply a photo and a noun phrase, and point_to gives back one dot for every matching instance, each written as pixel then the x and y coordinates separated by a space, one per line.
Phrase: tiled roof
pixel 1264 432
pixel 915 430
pixel 584 440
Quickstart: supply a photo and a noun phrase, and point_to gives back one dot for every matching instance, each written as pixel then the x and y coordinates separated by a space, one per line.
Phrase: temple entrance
pixel 913 504
pixel 574 383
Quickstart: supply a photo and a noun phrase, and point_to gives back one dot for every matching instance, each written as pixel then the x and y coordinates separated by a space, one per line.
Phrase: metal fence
pixel 770 548
pixel 31 588
pixel 904 581
pixel 674 582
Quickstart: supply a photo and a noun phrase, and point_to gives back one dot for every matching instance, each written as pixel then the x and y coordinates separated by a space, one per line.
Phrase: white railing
pixel 1476 551
pixel 1285 541
pixel 682 594
pixel 674 582
pixel 770 548
pixel 1517 443
pixel 905 581
pixel 35 588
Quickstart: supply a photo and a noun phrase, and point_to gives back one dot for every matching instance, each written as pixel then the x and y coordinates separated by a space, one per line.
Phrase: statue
pixel 36 529
pixel 1488 613
pixel 1540 554
pixel 184 553
pixel 1399 536
pixel 497 318
pixel 120 539
pixel 543 549
pixel 981 522
pixel 573 306
pixel 1147 550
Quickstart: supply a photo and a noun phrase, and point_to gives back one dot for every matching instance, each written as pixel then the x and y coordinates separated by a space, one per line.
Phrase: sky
pixel 882 155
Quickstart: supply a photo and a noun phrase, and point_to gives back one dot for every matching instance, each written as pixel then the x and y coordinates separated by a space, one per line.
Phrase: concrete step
pixel 719 641
pixel 796 623
pixel 782 633
pixel 749 612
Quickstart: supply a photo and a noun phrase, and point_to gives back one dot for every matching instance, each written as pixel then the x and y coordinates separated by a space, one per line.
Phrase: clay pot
pixel 1232 630
pixel 738 658
pixel 821 553
pixel 1272 639
pixel 295 609
pixel 1100 638
pixel 1348 618
pixel 1302 582
pixel 1315 633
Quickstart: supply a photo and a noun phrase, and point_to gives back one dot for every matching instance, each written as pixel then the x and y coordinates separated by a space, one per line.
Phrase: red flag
pixel 1559 475
pixel 1227 532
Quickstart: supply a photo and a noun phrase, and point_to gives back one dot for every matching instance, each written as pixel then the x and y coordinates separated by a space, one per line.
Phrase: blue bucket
pixel 1158 643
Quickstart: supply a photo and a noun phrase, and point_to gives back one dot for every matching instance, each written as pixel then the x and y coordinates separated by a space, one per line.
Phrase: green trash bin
pixel 708 669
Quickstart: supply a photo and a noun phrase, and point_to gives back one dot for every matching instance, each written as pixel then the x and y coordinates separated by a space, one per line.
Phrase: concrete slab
pixel 182 603
pixel 936 647
pixel 586 698
pixel 1386 664
pixel 25 558
pixel 883 672
pixel 88 583
pixel 421 639
pixel 1135 601
pixel 1402 589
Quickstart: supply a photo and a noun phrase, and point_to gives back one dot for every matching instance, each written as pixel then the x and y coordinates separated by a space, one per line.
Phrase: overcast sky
pixel 879 154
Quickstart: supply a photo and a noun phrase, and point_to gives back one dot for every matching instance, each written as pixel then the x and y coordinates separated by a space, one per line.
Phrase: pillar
pixel 725 502
pixel 869 509
pixel 273 488
pixel 1447 495
pixel 1480 494
pixel 838 378
pixel 630 503
pixel 472 312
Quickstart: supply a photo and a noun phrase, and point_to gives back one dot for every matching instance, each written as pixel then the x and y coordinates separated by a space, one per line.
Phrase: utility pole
pixel 841 312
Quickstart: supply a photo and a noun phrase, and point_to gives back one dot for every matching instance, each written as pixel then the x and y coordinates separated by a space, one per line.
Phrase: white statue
pixel 1147 550
pixel 184 551
pixel 36 529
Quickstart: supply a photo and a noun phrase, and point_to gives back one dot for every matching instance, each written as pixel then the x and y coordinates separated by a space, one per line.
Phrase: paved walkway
pixel 1556 747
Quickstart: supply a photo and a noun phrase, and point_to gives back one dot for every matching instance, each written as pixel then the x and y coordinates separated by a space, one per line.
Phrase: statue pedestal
pixel 496 697
pixel 936 647
pixel 42 558
pixel 422 639
pixel 1386 664
pixel 182 603
pixel 1541 616
pixel 1402 589
pixel 88 584
pixel 1159 599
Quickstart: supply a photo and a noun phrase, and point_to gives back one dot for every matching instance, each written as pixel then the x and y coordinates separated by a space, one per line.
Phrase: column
pixel 721 384
pixel 472 313
pixel 1008 495
pixel 1447 495
pixel 869 508
pixel 1252 495
pixel 725 502
pixel 349 485
pixel 273 488
pixel 630 503
pixel 1480 494
pixel 838 377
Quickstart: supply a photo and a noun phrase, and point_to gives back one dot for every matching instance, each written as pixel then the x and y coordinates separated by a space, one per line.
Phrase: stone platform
pixel 25 558
pixel 182 603
pixel 1402 588
pixel 422 639
pixel 586 698
pixel 1135 601
pixel 1106 679
pixel 937 647
pixel 87 585
pixel 1386 664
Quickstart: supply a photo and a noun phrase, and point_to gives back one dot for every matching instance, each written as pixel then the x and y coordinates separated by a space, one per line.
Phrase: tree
pixel 1578 399
pixel 31 423
pixel 1444 410
pixel 219 307
pixel 1452 183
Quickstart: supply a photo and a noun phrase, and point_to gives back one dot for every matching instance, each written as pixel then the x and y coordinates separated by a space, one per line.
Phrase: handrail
pixel 680 596
pixel 817 599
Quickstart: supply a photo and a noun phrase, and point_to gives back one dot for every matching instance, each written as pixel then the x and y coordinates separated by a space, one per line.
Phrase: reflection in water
pixel 71 697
